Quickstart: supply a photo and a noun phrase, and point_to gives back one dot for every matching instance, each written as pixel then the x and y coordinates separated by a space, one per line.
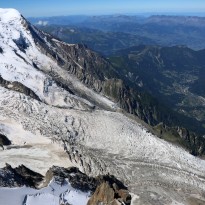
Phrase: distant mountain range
pixel 103 42
pixel 111 30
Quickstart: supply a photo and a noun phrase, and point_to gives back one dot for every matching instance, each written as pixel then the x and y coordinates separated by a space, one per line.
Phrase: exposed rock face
pixel 77 179
pixel 182 137
pixel 110 191
pixel 97 73
pixel 195 143
pixel 106 189
pixel 19 176
pixel 4 140
pixel 103 189
pixel 19 87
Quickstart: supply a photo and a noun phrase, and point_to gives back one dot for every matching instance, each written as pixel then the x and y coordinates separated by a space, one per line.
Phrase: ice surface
pixel 53 194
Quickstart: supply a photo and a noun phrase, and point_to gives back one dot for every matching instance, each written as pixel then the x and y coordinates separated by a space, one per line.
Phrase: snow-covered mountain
pixel 53 118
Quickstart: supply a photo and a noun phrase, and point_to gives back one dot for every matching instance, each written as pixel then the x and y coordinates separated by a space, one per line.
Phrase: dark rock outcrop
pixel 110 191
pixel 77 179
pixel 21 43
pixel 4 140
pixel 105 189
pixel 19 176
pixel 19 87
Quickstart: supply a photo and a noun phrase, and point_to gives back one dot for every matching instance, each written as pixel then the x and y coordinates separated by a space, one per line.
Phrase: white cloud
pixel 42 23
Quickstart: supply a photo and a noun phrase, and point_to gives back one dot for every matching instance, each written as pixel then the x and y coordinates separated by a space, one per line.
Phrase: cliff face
pixel 110 191
pixel 19 176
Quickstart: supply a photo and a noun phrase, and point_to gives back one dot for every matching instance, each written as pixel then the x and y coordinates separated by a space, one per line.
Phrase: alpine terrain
pixel 64 106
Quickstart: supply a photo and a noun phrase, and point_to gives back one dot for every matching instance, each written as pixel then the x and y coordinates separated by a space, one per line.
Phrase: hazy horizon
pixel 144 14
pixel 47 8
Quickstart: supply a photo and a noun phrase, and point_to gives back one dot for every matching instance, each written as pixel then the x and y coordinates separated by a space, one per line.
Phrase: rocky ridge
pixel 110 188
pixel 19 176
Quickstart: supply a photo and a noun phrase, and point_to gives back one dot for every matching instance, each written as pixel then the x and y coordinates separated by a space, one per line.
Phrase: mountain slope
pixel 103 42
pixel 172 74
pixel 98 74
pixel 73 117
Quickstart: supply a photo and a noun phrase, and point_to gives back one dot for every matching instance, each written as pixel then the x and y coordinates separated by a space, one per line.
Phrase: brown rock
pixel 109 193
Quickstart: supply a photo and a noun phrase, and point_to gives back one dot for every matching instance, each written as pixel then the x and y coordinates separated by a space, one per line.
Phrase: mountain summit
pixel 10 14
pixel 55 110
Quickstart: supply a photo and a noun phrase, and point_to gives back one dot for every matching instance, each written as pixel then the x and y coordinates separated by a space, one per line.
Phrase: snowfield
pixel 16 65
pixel 65 130
pixel 53 194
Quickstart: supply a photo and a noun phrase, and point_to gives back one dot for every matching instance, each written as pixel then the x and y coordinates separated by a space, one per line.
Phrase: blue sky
pixel 71 7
